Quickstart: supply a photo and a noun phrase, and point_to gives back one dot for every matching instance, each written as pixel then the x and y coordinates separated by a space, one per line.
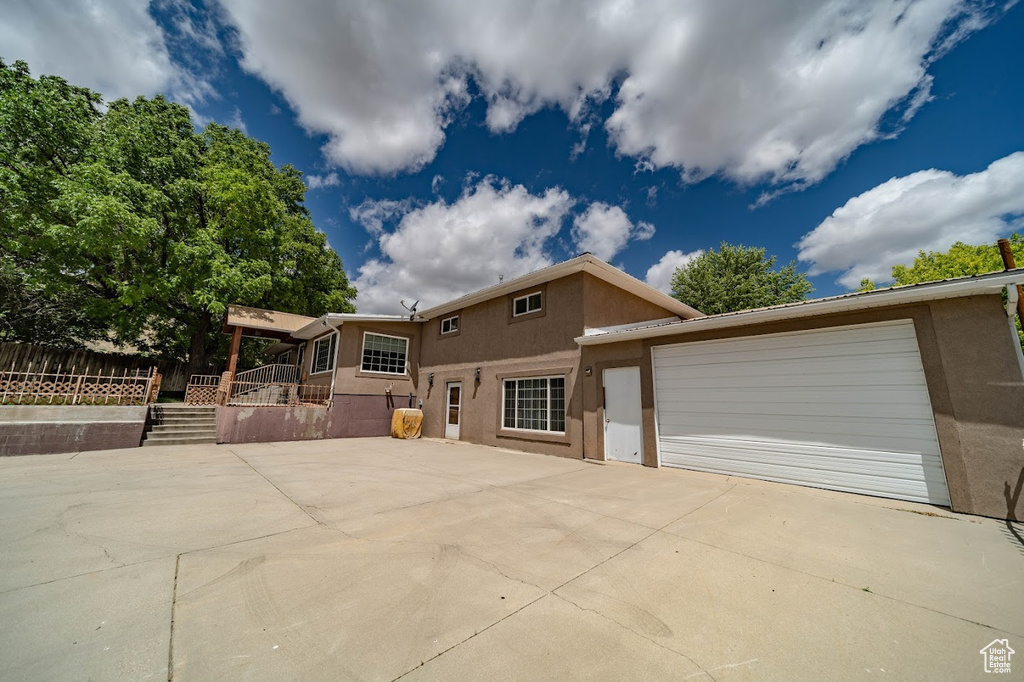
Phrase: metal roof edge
pixel 915 293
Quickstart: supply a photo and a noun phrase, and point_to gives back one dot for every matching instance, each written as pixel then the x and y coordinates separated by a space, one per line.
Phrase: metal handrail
pixel 270 374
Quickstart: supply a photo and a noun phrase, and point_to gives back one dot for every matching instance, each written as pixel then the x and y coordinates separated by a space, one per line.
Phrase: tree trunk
pixel 198 355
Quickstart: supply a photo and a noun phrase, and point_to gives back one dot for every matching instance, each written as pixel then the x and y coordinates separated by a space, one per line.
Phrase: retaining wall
pixel 48 429
pixel 350 416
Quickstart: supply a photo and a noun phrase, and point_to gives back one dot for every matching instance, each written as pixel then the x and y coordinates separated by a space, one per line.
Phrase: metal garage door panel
pixel 844 409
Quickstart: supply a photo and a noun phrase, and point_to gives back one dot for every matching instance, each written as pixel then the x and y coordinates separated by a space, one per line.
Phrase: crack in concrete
pixel 475 634
pixel 638 634
pixel 833 581
pixel 286 496
pixel 174 604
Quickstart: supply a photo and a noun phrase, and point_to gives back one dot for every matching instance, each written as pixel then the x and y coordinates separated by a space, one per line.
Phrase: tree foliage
pixel 737 278
pixel 961 260
pixel 133 226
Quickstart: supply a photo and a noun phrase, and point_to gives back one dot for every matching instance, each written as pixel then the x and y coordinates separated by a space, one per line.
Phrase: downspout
pixel 1012 301
pixel 337 360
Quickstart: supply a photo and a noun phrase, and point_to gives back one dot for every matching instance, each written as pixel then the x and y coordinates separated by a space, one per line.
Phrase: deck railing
pixel 270 374
pixel 213 389
pixel 202 389
pixel 60 387
pixel 278 393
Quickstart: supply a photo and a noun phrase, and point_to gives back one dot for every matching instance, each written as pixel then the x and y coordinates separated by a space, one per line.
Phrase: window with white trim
pixel 285 358
pixel 384 354
pixel 323 354
pixel 534 404
pixel 524 305
pixel 450 324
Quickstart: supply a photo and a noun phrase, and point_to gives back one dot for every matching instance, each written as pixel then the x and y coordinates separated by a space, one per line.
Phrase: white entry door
pixel 623 428
pixel 454 399
pixel 845 408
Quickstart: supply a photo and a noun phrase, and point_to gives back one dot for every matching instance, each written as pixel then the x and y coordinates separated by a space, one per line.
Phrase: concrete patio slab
pixel 314 604
pixel 384 559
pixel 741 618
pixel 107 625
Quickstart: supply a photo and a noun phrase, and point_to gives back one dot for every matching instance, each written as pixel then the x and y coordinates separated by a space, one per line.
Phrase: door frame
pixel 447 409
pixel 604 410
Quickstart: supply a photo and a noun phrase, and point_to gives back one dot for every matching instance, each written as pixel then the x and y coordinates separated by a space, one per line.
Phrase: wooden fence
pixel 20 357
pixel 62 387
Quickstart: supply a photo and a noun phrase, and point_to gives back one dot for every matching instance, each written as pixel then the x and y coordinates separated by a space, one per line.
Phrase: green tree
pixel 961 260
pixel 147 228
pixel 737 278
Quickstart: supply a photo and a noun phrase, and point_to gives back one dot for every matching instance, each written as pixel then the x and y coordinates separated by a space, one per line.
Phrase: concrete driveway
pixel 380 559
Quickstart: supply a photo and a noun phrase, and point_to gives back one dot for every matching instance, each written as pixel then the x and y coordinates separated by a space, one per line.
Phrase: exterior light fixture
pixel 430 379
pixel 476 375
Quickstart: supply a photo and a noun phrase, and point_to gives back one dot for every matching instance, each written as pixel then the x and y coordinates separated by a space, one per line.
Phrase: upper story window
pixel 323 354
pixel 526 304
pixel 384 354
pixel 450 324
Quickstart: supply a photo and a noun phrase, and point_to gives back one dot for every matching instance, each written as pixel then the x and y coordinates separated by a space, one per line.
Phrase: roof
pixel 991 283
pixel 318 326
pixel 270 320
pixel 583 263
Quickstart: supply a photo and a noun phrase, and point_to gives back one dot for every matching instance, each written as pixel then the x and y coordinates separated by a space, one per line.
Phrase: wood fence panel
pixel 20 357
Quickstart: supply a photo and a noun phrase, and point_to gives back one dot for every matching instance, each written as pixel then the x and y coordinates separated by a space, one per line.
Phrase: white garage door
pixel 844 408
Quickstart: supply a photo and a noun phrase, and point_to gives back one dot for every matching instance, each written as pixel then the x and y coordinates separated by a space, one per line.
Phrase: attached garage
pixel 843 408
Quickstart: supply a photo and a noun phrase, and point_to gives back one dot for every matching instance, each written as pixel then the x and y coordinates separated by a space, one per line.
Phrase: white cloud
pixel 436 183
pixel 928 210
pixel 372 215
pixel 236 121
pixel 321 181
pixel 114 47
pixel 778 90
pixel 440 251
pixel 605 230
pixel 660 274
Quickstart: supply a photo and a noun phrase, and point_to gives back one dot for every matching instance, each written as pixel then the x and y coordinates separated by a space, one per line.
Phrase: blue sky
pixel 447 144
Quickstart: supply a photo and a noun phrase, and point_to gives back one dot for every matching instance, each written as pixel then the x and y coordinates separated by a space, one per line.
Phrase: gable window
pixel 384 354
pixel 323 354
pixel 450 324
pixel 534 404
pixel 526 304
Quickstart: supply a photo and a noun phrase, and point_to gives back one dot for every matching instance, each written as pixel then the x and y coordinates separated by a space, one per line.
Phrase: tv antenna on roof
pixel 410 308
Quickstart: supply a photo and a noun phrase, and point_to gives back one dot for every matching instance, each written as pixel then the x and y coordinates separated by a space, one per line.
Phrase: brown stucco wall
pixel 351 380
pixel 607 305
pixel 973 378
pixel 349 416
pixel 502 346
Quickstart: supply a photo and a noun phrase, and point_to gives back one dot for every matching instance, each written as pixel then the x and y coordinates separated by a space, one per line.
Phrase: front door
pixel 451 427
pixel 623 428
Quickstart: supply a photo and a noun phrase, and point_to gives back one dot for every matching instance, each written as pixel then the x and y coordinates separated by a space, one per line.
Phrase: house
pixel 912 393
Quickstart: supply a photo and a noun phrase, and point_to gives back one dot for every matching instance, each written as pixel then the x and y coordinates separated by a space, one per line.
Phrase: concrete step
pixel 186 420
pixel 185 409
pixel 159 432
pixel 180 440
pixel 203 426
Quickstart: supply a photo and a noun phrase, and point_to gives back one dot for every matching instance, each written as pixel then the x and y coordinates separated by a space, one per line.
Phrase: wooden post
pixel 1009 264
pixel 236 341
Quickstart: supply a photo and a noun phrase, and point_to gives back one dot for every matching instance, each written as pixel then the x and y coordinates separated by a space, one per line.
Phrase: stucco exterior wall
pixel 503 346
pixel 48 429
pixel 607 305
pixel 349 416
pixel 974 383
